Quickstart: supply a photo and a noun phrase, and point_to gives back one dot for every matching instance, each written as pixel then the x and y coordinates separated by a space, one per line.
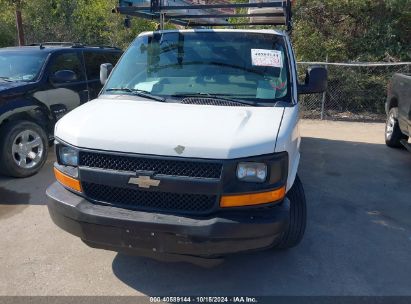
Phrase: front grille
pixel 158 166
pixel 211 102
pixel 149 200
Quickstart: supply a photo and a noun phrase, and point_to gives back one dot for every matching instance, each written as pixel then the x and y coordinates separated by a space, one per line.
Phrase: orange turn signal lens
pixel 252 199
pixel 67 181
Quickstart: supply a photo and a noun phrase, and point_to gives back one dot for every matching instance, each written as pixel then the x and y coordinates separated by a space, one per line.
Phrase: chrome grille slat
pixel 184 168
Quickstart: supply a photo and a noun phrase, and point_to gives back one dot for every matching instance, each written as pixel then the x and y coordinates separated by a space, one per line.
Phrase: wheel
pixel 393 134
pixel 298 217
pixel 23 148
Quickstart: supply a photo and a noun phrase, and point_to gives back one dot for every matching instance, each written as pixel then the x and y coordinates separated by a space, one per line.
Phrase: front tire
pixel 23 149
pixel 393 134
pixel 298 217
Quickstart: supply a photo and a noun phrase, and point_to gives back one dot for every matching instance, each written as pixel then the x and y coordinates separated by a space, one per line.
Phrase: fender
pixel 27 109
pixel 289 140
pixel 392 101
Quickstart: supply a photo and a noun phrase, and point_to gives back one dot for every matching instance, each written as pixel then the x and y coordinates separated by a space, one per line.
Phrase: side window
pixel 67 61
pixel 93 60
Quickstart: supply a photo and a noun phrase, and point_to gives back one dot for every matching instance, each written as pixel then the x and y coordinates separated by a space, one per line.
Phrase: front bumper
pixel 166 236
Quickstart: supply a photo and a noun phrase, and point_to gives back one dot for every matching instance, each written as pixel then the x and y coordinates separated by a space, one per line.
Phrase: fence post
pixel 324 94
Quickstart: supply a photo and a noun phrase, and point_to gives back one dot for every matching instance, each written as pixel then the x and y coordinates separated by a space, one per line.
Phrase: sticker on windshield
pixel 270 58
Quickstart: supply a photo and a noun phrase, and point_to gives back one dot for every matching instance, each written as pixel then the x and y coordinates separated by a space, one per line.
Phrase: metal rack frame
pixel 164 13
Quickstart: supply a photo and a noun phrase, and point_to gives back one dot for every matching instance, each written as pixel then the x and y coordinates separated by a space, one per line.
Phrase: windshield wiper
pixel 6 79
pixel 218 96
pixel 140 93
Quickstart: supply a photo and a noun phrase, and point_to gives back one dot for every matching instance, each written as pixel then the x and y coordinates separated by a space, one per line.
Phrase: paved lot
pixel 358 239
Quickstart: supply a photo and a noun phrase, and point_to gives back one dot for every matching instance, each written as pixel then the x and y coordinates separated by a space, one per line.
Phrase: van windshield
pixel 240 65
pixel 20 65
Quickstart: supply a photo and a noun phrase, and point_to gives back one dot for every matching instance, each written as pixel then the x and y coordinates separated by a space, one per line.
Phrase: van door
pixel 93 60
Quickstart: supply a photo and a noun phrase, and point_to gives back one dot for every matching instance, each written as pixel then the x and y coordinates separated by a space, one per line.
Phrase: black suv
pixel 38 85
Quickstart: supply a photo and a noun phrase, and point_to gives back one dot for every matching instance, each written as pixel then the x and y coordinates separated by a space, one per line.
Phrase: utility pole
pixel 19 21
pixel 324 93
pixel 19 24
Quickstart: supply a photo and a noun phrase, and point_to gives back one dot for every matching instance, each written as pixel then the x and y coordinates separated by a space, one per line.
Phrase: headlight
pixel 68 156
pixel 252 172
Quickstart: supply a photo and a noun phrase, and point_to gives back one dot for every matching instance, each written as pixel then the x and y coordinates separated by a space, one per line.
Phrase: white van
pixel 191 149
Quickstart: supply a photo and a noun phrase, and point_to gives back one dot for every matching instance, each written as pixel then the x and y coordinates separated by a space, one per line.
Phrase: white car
pixel 191 149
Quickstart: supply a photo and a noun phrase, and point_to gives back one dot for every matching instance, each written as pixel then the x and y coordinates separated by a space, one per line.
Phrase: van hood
pixel 133 125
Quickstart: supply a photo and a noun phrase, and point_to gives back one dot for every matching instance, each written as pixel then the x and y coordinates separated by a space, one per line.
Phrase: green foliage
pixel 358 31
pixel 345 30
pixel 353 30
pixel 85 21
pixel 7 25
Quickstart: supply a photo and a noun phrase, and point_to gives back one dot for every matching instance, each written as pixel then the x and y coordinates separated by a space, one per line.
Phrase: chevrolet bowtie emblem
pixel 144 181
pixel 179 149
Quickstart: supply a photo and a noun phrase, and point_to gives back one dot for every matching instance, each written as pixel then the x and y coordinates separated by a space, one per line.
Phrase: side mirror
pixel 315 81
pixel 63 76
pixel 105 70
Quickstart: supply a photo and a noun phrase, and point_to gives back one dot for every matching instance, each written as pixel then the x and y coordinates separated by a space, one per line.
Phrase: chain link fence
pixel 355 91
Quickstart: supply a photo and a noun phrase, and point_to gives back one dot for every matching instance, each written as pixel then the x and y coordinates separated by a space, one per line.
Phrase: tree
pixel 18 4
pixel 345 30
pixel 6 21
pixel 103 26
pixel 353 30
pixel 85 21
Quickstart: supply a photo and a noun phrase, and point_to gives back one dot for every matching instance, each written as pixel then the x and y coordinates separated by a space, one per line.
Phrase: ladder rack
pixel 209 13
